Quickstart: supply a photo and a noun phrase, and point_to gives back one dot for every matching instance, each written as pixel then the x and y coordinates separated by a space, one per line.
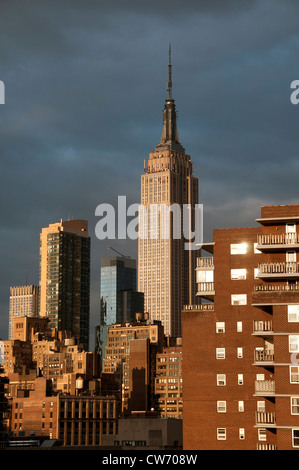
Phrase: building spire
pixel 169 83
pixel 170 136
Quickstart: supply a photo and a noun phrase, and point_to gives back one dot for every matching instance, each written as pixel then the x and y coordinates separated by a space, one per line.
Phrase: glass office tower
pixel 119 299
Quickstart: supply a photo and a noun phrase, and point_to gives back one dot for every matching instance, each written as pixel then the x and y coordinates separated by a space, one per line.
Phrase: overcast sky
pixel 85 86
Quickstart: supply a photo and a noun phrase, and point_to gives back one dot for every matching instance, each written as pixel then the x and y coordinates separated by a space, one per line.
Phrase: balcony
pixel 200 307
pixel 206 290
pixel 283 270
pixel 265 387
pixel 263 357
pixel 205 263
pixel 262 446
pixel 265 419
pixel 278 241
pixel 262 328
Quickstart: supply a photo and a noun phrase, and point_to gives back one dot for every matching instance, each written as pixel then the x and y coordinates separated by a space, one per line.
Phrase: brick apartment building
pixel 130 358
pixel 79 419
pixel 241 372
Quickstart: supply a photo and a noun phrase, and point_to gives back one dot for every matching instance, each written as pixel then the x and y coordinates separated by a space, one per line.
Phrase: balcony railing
pixel 275 287
pixel 262 326
pixel 265 446
pixel 207 306
pixel 263 355
pixel 265 387
pixel 278 269
pixel 277 240
pixel 204 287
pixel 205 262
pixel 265 417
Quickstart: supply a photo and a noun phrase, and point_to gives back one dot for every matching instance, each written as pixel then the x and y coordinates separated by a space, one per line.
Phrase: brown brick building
pixel 241 372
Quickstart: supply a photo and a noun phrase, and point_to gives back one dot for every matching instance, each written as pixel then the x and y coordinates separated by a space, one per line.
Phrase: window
pixel 220 353
pixel 221 406
pixel 221 434
pixel 290 256
pixel 241 433
pixel 239 353
pixel 294 343
pixel 204 276
pixel 260 377
pixel 293 313
pixel 290 228
pixel 295 437
pixel 262 434
pixel 261 406
pixel 239 299
pixel 221 380
pixel 238 249
pixel 241 406
pixel 220 327
pixel 295 405
pixel 238 274
pixel 240 379
pixel 239 326
pixel 294 374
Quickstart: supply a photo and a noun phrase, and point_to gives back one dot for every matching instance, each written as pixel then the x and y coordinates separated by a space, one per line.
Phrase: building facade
pixel 23 302
pixel 130 359
pixel 241 371
pixel 165 267
pixel 65 277
pixel 119 299
pixel 169 382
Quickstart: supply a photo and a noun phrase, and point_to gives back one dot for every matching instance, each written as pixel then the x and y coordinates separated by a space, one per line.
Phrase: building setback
pixel 241 373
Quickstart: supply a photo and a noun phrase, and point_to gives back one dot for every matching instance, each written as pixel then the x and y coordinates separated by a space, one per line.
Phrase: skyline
pixel 84 95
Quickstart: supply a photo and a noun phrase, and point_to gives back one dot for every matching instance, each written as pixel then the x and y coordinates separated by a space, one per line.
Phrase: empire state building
pixel 166 269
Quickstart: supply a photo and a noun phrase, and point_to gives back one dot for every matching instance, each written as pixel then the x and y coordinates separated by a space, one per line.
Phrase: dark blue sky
pixel 85 87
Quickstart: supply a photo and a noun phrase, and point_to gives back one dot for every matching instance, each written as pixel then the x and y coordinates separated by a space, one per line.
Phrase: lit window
pixel 221 380
pixel 294 343
pixel 220 353
pixel 221 434
pixel 241 406
pixel 261 406
pixel 239 299
pixel 262 435
pixel 239 326
pixel 241 433
pixel 221 406
pixel 238 274
pixel 240 379
pixel 238 249
pixel 220 327
pixel 239 353
pixel 293 313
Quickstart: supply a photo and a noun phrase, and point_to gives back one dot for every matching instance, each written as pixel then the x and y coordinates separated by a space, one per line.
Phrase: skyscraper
pixel 23 302
pixel 166 269
pixel 65 277
pixel 119 299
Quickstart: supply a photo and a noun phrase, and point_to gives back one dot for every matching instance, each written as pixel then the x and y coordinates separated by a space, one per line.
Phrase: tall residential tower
pixel 166 269
pixel 65 277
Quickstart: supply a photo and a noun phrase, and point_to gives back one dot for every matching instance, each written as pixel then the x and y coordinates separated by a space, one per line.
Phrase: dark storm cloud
pixel 85 88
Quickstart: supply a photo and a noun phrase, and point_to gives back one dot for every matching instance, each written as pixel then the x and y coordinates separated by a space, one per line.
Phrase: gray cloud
pixel 85 88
